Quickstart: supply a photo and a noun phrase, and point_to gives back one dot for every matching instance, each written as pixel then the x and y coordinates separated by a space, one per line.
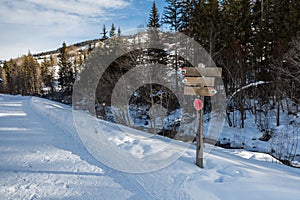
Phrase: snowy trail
pixel 41 157
pixel 39 160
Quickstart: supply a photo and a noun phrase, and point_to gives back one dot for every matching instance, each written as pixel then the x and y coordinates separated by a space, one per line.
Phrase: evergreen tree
pixel 156 55
pixel 66 73
pixel 171 14
pixel 119 32
pixel 119 38
pixel 7 73
pixel 186 16
pixel 3 83
pixel 152 56
pixel 29 76
pixel 104 32
pixel 172 18
pixel 293 17
pixel 77 64
pixel 153 21
pixel 13 76
pixel 153 24
pixel 237 47
pixel 112 31
pixel 206 25
pixel 47 73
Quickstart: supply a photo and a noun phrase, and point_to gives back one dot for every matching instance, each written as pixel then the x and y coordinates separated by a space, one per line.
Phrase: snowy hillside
pixel 42 157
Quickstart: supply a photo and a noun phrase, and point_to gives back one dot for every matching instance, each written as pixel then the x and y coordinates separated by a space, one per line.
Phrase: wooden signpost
pixel 200 82
pixel 200 91
pixel 202 72
pixel 207 81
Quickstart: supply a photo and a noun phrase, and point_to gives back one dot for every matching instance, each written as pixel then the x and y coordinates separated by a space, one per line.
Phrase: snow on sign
pixel 198 104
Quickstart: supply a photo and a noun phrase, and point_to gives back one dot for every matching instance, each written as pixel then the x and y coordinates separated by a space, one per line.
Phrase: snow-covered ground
pixel 42 157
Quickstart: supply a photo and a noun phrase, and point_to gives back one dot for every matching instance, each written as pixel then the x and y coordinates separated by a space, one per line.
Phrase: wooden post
pixel 199 139
pixel 200 82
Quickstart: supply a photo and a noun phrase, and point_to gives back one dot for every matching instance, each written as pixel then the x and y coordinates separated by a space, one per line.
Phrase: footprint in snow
pixel 219 180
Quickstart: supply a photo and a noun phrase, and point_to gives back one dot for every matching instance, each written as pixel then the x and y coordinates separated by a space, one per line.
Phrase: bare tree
pixel 287 72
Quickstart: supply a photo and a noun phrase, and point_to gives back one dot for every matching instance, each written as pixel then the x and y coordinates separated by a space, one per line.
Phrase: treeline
pixel 28 76
pixel 51 74
pixel 256 43
pixel 252 41
pixel 22 76
pixel 80 44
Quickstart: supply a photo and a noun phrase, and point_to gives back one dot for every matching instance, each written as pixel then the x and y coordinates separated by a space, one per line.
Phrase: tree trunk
pixel 200 141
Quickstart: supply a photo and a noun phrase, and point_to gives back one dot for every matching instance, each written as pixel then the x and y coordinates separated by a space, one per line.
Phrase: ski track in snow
pixel 44 159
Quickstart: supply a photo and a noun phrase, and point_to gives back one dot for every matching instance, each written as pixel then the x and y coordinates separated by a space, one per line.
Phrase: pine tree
pixel 3 83
pixel 47 73
pixel 237 31
pixel 104 32
pixel 12 72
pixel 66 73
pixel 171 14
pixel 172 18
pixel 77 64
pixel 186 16
pixel 206 25
pixel 153 24
pixel 152 56
pixel 119 38
pixel 37 80
pixel 293 17
pixel 154 17
pixel 156 55
pixel 112 31
pixel 30 76
pixel 119 32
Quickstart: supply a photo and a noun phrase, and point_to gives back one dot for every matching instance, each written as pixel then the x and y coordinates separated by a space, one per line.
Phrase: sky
pixel 42 25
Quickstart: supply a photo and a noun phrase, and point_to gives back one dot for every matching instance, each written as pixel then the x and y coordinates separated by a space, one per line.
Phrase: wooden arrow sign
pixel 199 81
pixel 201 91
pixel 202 71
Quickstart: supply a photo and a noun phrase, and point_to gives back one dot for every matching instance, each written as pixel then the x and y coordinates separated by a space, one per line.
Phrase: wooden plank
pixel 201 91
pixel 202 71
pixel 201 81
pixel 199 139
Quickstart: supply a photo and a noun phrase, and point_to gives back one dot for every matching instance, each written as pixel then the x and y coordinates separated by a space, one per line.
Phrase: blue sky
pixel 41 25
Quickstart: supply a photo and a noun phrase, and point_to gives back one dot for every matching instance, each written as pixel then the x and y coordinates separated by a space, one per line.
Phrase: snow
pixel 285 139
pixel 247 86
pixel 42 157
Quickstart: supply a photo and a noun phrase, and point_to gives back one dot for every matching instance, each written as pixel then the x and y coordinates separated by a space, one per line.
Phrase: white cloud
pixel 43 24
pixel 41 12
